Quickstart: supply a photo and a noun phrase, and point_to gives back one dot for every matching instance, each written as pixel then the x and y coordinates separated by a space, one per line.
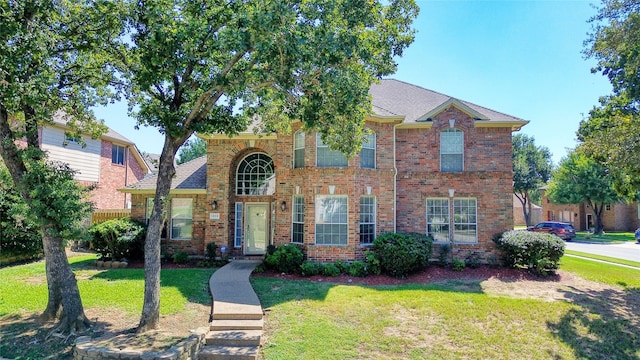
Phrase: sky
pixel 522 58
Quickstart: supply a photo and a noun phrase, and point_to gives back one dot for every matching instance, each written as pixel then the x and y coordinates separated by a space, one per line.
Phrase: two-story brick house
pixel 430 164
pixel 110 162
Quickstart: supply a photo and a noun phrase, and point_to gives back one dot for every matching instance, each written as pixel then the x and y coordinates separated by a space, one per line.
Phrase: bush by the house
pixel 443 254
pixel 402 254
pixel 458 264
pixel 286 258
pixel 372 263
pixel 330 269
pixel 539 252
pixel 180 258
pixel 310 268
pixel 117 239
pixel 210 251
pixel 357 269
pixel 343 266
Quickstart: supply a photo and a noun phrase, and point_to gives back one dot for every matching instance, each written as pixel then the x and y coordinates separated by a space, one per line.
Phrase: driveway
pixel 626 251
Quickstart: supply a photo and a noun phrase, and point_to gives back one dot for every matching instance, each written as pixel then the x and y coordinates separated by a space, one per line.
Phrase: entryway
pixel 256 228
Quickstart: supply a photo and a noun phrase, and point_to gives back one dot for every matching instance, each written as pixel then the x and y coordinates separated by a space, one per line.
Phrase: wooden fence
pixel 99 216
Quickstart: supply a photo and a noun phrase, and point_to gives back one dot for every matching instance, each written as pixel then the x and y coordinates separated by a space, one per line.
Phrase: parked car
pixel 563 230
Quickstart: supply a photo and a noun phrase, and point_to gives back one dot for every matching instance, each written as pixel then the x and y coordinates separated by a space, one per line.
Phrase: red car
pixel 562 230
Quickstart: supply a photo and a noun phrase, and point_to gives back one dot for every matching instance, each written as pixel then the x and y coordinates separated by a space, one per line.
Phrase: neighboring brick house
pixel 431 164
pixel 615 217
pixel 111 162
pixel 518 216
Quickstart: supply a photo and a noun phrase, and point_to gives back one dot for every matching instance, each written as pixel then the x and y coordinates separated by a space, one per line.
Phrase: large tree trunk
pixel 64 301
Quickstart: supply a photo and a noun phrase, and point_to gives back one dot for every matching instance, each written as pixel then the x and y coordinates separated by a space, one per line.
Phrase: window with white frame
pixel 451 150
pixel 368 152
pixel 181 218
pixel 298 149
pixel 149 209
pixel 438 219
pixel 325 157
pixel 367 220
pixel 255 175
pixel 238 226
pixel 117 154
pixel 465 222
pixel 331 219
pixel 297 233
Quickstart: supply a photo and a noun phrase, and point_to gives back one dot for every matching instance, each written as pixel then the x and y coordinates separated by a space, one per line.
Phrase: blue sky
pixel 522 58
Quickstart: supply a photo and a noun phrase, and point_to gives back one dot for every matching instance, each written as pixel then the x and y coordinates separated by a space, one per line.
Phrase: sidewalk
pixel 232 292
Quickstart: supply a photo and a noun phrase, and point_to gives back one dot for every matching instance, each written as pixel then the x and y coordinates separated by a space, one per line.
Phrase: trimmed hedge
pixel 402 254
pixel 286 258
pixel 539 252
pixel 117 239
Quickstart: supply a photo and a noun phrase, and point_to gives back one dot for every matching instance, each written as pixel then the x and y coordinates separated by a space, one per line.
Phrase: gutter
pixel 395 181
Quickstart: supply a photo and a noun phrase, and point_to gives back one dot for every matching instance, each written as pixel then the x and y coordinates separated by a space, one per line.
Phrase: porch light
pixel 283 205
pixel 214 204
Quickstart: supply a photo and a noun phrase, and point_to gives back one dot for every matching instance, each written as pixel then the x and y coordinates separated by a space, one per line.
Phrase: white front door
pixel 256 229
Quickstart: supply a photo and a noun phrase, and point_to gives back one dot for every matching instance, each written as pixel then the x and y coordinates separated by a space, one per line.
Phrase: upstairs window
pixel 325 157
pixel 368 152
pixel 451 150
pixel 255 176
pixel 298 149
pixel 117 154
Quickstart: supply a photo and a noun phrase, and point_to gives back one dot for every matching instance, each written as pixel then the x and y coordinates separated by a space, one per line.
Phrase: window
pixel 331 220
pixel 238 226
pixel 298 219
pixel 117 154
pixel 149 209
pixel 255 176
pixel 181 218
pixel 368 152
pixel 367 220
pixel 464 220
pixel 438 219
pixel 298 149
pixel 451 150
pixel 326 157
pixel 607 207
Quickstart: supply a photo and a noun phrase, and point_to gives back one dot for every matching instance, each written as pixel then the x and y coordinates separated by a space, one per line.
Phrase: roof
pixel 392 97
pixel 191 177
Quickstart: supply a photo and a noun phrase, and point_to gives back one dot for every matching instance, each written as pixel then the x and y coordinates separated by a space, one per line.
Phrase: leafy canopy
pixel 531 165
pixel 192 149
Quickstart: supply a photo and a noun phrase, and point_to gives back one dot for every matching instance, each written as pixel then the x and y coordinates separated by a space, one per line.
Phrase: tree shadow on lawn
pixel 605 326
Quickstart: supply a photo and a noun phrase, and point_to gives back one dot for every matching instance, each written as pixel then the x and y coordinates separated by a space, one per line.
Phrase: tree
pixel 580 179
pixel 53 58
pixel 610 134
pixel 531 170
pixel 210 67
pixel 192 149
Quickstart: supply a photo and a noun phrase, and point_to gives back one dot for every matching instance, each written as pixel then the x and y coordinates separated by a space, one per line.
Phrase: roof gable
pixel 458 105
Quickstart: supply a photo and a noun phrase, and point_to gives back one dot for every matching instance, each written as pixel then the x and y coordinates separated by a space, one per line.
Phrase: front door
pixel 256 229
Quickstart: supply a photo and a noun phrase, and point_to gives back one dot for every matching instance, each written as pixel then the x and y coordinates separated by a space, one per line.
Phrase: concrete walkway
pixel 232 292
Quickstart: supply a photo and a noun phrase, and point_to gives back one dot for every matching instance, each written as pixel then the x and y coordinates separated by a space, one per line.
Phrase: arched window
pixel 255 175
pixel 368 152
pixel 451 150
pixel 298 149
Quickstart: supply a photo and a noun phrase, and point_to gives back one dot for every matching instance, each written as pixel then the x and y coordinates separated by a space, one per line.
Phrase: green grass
pixel 600 272
pixel 23 288
pixel 311 320
pixel 603 258
pixel 607 237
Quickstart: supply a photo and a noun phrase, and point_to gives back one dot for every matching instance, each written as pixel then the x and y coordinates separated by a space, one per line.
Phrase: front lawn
pixel 606 238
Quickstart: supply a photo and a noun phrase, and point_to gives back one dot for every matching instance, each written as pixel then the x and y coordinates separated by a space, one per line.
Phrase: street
pixel 626 251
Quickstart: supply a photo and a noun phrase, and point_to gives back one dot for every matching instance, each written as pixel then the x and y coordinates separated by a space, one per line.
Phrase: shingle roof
pixel 394 97
pixel 191 175
pixel 60 118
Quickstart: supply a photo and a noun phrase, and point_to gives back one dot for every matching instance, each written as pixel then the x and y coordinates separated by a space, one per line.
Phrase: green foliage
pixel 472 260
pixel 443 254
pixel 402 254
pixel 192 149
pixel 330 269
pixel 19 233
pixel 539 252
pixel 117 239
pixel 311 268
pixel 180 257
pixel 342 265
pixel 210 251
pixel 357 268
pixel 458 264
pixel 372 263
pixel 287 258
pixel 531 170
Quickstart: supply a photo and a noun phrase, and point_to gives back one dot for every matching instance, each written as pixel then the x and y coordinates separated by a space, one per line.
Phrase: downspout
pixel 126 172
pixel 395 182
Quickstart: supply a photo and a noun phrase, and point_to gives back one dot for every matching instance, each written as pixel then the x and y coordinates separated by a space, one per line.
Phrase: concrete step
pixel 237 324
pixel 220 352
pixel 234 337
pixel 229 313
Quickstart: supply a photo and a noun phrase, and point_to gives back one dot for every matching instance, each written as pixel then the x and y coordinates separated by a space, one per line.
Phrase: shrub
pixel 180 257
pixel 210 251
pixel 372 263
pixel 539 252
pixel 310 268
pixel 286 258
pixel 473 260
pixel 342 266
pixel 118 238
pixel 443 254
pixel 402 254
pixel 458 264
pixel 330 269
pixel 357 269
